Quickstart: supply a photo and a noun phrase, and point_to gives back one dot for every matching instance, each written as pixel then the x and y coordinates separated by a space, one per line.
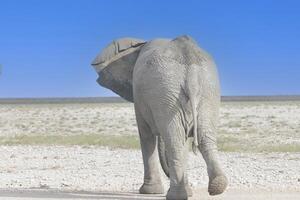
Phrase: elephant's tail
pixel 162 156
pixel 195 140
pixel 192 87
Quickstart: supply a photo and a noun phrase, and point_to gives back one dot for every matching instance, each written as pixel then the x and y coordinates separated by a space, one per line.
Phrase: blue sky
pixel 46 47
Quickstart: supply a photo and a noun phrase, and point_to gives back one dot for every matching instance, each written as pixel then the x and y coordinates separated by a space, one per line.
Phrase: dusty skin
pixel 174 84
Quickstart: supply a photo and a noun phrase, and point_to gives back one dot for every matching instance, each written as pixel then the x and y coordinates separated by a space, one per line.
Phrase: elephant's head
pixel 115 64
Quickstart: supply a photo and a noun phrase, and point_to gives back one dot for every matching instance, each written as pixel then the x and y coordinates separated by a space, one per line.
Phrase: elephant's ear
pixel 115 65
pixel 115 50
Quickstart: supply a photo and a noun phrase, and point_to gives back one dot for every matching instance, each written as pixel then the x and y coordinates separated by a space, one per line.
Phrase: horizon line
pixel 117 99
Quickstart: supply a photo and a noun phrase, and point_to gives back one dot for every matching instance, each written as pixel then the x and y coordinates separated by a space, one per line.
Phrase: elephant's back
pixel 163 63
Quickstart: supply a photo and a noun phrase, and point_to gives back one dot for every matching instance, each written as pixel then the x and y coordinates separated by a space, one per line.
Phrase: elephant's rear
pixel 160 74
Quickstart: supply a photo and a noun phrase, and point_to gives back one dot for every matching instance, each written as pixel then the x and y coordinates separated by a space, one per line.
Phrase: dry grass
pixel 114 141
pixel 226 143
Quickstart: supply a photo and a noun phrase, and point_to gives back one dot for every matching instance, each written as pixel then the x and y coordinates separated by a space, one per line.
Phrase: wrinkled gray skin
pixel 175 89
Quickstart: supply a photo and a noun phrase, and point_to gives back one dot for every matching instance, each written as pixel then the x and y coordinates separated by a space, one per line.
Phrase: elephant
pixel 174 86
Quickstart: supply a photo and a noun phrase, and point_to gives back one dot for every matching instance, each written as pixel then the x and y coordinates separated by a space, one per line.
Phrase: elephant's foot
pixel 177 193
pixel 217 185
pixel 189 190
pixel 152 188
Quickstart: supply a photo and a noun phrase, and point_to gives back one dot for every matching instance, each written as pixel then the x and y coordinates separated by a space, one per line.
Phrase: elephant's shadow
pixel 84 195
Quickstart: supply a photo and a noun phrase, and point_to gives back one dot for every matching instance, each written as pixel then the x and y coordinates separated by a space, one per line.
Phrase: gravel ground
pixel 104 169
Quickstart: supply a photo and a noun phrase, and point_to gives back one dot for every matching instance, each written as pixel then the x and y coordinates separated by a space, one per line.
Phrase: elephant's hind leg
pixel 152 178
pixel 208 148
pixel 174 137
pixel 186 181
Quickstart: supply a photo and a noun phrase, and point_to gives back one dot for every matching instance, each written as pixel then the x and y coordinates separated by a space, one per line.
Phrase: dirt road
pixel 231 194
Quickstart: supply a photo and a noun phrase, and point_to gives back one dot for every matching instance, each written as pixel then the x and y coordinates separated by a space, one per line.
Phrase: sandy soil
pixel 67 119
pixel 264 123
